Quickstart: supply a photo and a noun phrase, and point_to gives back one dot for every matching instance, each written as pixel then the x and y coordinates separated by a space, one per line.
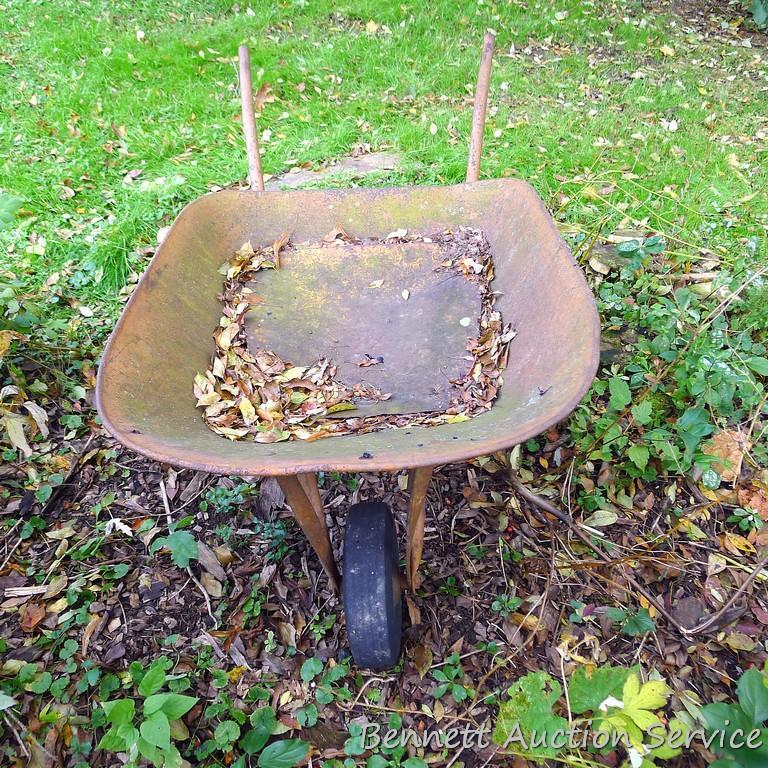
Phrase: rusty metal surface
pixel 347 303
pixel 164 335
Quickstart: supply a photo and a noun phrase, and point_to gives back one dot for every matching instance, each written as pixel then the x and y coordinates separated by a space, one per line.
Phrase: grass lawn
pixel 646 134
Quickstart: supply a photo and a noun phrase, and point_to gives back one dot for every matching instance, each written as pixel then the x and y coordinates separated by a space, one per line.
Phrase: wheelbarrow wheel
pixel 371 586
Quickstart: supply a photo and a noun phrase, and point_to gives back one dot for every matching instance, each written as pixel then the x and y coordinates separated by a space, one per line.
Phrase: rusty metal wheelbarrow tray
pixel 164 335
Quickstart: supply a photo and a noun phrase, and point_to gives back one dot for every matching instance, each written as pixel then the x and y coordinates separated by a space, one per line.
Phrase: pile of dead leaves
pixel 253 393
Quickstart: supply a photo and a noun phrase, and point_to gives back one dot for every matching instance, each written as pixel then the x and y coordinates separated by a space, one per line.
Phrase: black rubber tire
pixel 371 586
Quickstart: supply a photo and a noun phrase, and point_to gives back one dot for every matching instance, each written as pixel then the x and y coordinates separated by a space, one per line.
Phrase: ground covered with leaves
pixel 609 575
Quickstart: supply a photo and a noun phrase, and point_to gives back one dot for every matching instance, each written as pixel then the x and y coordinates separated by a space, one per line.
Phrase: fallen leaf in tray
pixel 278 245
pixel 369 361
pixel 338 233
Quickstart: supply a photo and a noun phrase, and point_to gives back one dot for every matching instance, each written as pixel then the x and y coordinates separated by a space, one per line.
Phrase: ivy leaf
pixel 642 412
pixel 529 709
pixel 758 364
pixel 152 681
pixel 284 754
pixel 310 669
pixel 119 711
pixel 226 732
pixel 589 687
pixel 181 544
pixel 628 247
pixel 173 705
pixel 654 244
pixel 639 455
pixel 156 730
pixel 620 393
pixel 263 723
pixel 307 716
pixel 42 684
pixel 753 696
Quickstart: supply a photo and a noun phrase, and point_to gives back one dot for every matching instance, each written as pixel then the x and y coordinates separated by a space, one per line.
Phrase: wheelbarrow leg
pixel 310 522
pixel 308 482
pixel 418 485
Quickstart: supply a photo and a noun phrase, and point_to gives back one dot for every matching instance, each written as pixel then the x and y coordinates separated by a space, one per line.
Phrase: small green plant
pixel 274 535
pixel 639 252
pixel 149 729
pixel 450 679
pixel 748 715
pixel 506 604
pixel 182 546
pixel 8 207
pixel 580 612
pixel 746 518
pixel 253 605
pixel 225 501
pixel 611 702
pixel 632 624
pixel 449 587
pixel 320 627
pixel 759 10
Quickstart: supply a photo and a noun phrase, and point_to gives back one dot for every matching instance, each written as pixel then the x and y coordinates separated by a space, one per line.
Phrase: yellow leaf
pixel 14 426
pixel 247 410
pixel 342 407
pixel 291 374
pixel 57 607
pixel 667 50
pixel 640 700
pixel 735 543
pixel 6 337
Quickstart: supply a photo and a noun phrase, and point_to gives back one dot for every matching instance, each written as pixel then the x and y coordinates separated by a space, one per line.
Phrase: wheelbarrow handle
pixel 255 174
pixel 481 104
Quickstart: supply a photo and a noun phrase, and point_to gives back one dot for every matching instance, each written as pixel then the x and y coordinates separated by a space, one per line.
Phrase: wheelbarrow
pixel 318 306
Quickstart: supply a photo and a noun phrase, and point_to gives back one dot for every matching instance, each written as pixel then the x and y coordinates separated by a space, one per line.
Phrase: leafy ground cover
pixel 180 616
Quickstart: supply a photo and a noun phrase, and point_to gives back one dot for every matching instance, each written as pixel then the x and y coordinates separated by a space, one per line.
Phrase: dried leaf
pixel 211 585
pixel 278 245
pixel 422 659
pixel 727 446
pixel 32 615
pixel 263 96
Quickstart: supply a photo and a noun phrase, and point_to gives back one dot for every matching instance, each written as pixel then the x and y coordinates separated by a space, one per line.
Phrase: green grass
pixel 587 97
